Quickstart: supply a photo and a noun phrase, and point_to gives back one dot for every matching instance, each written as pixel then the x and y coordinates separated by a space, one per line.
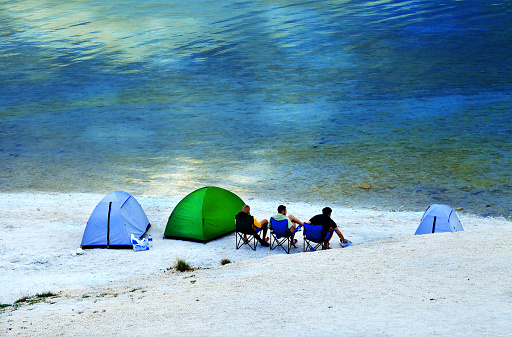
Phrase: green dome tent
pixel 204 215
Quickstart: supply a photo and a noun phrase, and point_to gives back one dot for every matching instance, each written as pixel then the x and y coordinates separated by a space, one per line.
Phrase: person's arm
pixel 341 235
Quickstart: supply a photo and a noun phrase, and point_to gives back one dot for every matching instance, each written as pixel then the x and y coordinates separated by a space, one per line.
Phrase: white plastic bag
pixel 139 244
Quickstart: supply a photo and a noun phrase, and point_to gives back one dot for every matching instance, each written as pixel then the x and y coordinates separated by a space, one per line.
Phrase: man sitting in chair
pixel 328 225
pixel 263 225
pixel 292 221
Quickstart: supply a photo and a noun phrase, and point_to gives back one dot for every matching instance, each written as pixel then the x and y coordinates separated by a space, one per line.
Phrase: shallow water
pixel 290 100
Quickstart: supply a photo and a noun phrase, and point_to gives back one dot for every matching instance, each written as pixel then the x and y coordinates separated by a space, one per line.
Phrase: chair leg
pixel 309 246
pixel 254 243
pixel 251 240
pixel 239 240
pixel 283 242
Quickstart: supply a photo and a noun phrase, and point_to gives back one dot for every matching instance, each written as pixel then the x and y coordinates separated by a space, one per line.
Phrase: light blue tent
pixel 439 219
pixel 115 218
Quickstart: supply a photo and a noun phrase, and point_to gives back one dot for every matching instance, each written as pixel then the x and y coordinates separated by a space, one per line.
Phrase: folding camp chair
pixel 281 235
pixel 313 237
pixel 244 226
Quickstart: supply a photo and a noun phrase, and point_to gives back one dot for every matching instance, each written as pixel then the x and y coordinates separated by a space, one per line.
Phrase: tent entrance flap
pixel 108 223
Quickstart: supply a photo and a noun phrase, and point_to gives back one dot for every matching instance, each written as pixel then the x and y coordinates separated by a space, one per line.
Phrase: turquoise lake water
pixel 285 100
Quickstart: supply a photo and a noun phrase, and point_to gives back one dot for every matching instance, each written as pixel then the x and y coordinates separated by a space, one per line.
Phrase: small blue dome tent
pixel 439 219
pixel 115 218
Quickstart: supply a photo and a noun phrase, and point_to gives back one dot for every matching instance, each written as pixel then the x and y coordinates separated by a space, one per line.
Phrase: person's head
pixel 281 209
pixel 327 211
pixel 246 209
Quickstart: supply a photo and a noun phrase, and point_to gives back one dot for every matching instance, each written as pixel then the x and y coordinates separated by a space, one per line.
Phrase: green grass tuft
pixel 46 294
pixel 182 266
pixel 23 299
pixel 41 297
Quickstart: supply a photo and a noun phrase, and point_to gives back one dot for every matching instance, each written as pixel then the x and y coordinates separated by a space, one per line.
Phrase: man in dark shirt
pixel 328 226
pixel 263 225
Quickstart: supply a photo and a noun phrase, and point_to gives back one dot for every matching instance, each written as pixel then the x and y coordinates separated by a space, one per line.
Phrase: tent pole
pixel 434 225
pixel 108 224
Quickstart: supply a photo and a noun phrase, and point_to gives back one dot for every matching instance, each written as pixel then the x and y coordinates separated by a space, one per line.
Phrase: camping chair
pixel 244 226
pixel 281 235
pixel 313 237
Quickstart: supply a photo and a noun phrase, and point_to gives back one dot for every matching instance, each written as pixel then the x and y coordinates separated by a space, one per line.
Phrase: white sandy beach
pixel 389 283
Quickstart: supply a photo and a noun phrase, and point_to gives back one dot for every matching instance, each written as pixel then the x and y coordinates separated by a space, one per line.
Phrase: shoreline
pixel 44 231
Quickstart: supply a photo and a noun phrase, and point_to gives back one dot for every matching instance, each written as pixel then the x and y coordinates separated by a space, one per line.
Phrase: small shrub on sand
pixel 225 261
pixel 181 265
pixel 47 294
